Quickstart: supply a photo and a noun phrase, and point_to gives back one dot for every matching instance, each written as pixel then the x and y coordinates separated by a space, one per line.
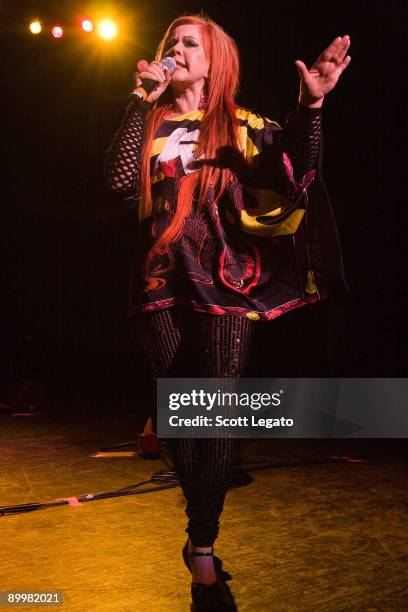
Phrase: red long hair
pixel 219 128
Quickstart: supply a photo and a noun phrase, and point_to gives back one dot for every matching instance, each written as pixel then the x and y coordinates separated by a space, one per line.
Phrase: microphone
pixel 147 86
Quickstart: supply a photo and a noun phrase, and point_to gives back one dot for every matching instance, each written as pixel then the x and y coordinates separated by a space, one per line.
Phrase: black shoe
pixel 217 562
pixel 210 597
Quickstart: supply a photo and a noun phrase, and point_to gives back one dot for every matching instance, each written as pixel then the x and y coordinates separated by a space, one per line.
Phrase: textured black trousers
pixel 184 343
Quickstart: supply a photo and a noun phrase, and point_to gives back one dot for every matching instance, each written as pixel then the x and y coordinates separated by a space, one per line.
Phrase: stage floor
pixel 308 534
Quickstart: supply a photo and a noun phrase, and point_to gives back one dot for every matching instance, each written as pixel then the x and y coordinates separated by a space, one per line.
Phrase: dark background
pixel 66 243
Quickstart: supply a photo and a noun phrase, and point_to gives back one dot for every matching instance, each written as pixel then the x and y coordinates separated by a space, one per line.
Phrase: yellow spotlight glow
pixel 35 27
pixel 107 29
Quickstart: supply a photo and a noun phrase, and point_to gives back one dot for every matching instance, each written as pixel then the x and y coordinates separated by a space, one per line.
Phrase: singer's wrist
pixel 142 105
pixel 310 102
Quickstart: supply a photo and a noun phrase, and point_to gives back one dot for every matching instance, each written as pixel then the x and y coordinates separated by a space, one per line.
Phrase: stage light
pixel 35 27
pixel 107 29
pixel 57 32
pixel 87 25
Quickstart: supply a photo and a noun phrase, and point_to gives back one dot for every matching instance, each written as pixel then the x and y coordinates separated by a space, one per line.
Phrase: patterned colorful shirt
pixel 216 266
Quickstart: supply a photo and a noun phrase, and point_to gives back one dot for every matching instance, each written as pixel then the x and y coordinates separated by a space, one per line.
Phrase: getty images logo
pixel 206 400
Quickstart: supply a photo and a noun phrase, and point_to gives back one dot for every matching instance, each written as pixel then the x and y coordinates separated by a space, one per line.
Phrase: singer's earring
pixel 203 103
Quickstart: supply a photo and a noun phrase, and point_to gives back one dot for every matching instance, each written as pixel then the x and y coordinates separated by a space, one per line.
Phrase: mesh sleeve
pixel 301 139
pixel 123 158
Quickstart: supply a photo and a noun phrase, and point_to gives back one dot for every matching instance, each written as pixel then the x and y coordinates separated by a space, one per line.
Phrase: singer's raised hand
pixel 155 72
pixel 325 72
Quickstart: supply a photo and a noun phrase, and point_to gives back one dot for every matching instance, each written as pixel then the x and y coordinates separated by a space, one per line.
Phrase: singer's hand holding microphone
pixel 152 79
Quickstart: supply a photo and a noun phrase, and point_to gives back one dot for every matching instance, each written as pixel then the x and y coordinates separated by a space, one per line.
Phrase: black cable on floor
pixel 168 482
